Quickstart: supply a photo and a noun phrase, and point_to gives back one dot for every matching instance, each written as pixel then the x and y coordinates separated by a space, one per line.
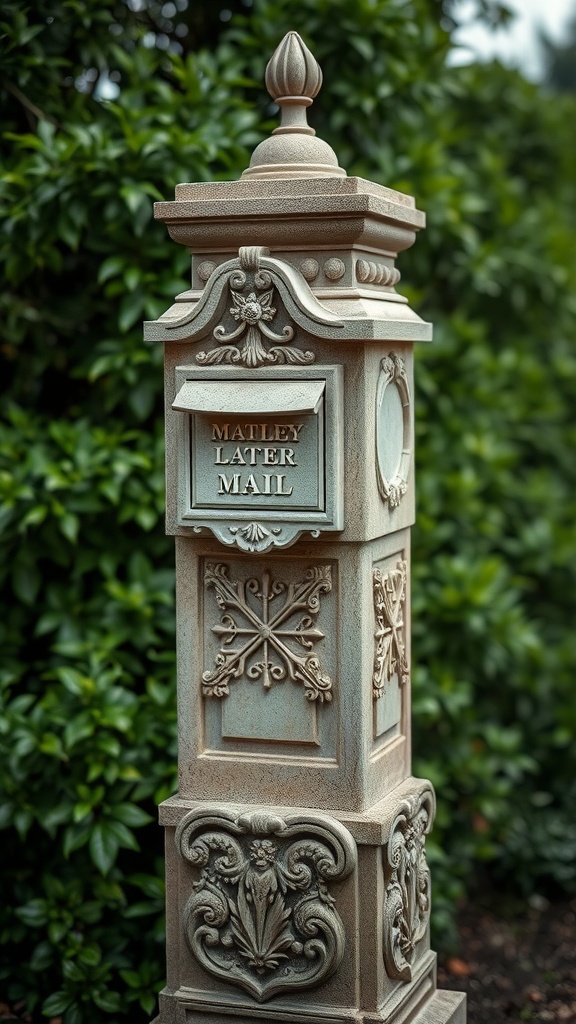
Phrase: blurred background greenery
pixel 105 106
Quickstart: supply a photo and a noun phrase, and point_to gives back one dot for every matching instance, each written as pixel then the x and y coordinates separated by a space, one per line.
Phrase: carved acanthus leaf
pixel 260 915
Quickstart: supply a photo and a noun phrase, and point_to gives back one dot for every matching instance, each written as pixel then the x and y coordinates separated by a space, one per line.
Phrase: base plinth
pixel 440 1008
pixel 294 916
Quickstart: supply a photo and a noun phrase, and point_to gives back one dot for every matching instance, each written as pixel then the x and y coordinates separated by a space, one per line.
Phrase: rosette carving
pixel 261 915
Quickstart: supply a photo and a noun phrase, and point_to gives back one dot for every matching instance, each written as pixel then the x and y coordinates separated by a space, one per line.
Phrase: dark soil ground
pixel 516 967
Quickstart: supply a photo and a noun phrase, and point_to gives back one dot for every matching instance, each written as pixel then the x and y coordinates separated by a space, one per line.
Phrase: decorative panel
pixel 270 656
pixel 391 643
pixel 261 915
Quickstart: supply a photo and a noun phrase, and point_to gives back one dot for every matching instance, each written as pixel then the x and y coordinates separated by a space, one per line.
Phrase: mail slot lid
pixel 262 398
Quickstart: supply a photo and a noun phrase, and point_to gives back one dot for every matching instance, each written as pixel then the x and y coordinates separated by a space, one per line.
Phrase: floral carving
pixel 407 898
pixel 389 641
pixel 253 312
pixel 255 536
pixel 260 915
pixel 267 619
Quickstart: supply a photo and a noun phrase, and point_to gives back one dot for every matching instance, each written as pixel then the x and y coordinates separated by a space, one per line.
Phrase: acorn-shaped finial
pixel 293 79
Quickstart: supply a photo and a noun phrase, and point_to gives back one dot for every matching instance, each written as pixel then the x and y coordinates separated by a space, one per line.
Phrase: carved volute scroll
pixel 389 634
pixel 261 915
pixel 267 631
pixel 407 878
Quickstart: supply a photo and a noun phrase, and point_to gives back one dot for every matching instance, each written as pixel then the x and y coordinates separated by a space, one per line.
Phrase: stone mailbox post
pixel 298 889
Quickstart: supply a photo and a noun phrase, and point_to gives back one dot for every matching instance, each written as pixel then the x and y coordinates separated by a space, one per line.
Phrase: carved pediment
pixel 243 302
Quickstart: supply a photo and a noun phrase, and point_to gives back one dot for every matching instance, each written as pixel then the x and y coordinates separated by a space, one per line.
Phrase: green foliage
pixel 87 719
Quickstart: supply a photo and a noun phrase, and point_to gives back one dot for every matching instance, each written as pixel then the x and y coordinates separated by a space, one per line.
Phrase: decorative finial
pixel 293 79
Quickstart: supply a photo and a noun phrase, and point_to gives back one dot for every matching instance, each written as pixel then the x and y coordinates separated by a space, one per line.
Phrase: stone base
pixel 441 1008
pixel 342 898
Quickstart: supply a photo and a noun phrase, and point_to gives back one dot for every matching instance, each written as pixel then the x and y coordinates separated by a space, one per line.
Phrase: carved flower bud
pixel 293 70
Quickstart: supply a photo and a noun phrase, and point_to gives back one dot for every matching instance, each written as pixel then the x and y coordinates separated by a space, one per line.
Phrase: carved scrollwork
pixel 253 271
pixel 393 485
pixel 252 311
pixel 267 620
pixel 260 915
pixel 407 895
pixel 389 639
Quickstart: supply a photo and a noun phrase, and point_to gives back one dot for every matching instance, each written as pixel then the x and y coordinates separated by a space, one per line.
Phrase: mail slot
pixel 265 448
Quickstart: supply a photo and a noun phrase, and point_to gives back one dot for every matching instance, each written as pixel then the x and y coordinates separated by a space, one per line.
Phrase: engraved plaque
pixel 259 453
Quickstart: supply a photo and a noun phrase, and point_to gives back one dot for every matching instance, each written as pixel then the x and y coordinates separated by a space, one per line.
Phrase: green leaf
pixel 131 309
pixel 6 814
pixel 34 913
pixel 56 932
pixel 56 1004
pixel 72 679
pixel 35 516
pixel 133 197
pixel 90 955
pixel 123 834
pixel 69 525
pixel 78 729
pixel 113 266
pixel 26 580
pixel 103 846
pixel 107 1001
pixel 76 836
pixel 42 957
pixel 73 1015
pixel 130 815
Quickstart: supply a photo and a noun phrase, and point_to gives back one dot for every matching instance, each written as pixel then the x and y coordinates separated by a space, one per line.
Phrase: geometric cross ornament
pixel 264 621
pixel 389 641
